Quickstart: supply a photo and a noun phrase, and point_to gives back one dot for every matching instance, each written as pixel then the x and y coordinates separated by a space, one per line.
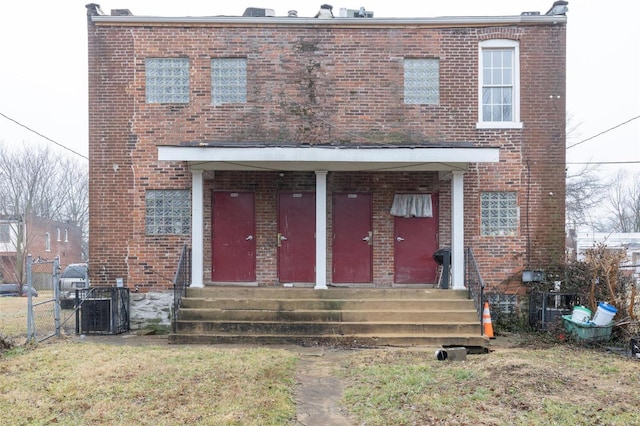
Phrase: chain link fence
pixel 43 315
pixel 38 316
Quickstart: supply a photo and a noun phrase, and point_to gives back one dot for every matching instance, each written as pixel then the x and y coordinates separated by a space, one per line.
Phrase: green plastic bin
pixel 587 332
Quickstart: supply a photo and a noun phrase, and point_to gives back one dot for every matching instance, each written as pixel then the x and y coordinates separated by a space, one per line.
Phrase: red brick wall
pixel 69 250
pixel 320 84
pixel 68 247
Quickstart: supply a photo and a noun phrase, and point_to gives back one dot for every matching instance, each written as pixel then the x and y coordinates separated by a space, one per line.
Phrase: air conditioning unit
pixel 353 13
pixel 95 316
pixel 102 310
pixel 257 12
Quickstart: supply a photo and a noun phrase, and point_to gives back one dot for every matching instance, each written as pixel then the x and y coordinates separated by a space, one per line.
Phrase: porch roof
pixel 244 156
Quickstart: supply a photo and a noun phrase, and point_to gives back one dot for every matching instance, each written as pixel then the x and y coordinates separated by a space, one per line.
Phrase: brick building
pixel 42 238
pixel 319 152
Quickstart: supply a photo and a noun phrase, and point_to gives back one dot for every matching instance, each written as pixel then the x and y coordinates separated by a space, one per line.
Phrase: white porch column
pixel 321 230
pixel 457 230
pixel 197 228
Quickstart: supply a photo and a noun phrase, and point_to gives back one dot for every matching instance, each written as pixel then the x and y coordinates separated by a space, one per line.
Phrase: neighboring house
pixel 42 238
pixel 325 152
pixel 627 241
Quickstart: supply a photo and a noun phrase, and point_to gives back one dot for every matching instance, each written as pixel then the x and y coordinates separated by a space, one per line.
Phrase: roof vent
pixel 292 14
pixel 559 7
pixel 326 12
pixel 93 9
pixel 257 12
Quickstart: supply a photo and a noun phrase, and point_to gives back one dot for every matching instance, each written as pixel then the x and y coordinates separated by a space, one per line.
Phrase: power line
pixel 603 162
pixel 570 146
pixel 605 131
pixel 43 136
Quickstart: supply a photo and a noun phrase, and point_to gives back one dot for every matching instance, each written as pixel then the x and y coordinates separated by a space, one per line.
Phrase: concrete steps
pixel 341 316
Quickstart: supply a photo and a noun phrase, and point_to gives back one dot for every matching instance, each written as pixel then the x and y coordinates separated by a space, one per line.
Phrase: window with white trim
pixel 422 81
pixel 498 213
pixel 66 235
pixel 47 241
pixel 167 80
pixel 58 234
pixel 5 233
pixel 168 211
pixel 499 84
pixel 228 80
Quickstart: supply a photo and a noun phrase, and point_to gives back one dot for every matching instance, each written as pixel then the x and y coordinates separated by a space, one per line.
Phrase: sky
pixel 43 78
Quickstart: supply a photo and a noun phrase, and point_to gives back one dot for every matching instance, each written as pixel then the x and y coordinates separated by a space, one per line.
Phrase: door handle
pixel 369 238
pixel 281 238
pixel 249 238
pixel 399 239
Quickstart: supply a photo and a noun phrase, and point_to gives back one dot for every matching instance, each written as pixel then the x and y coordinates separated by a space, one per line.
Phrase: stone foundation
pixel 150 309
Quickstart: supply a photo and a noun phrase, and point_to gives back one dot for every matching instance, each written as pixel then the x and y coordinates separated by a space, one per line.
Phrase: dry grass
pixel 13 316
pixel 86 383
pixel 557 385
pixel 94 384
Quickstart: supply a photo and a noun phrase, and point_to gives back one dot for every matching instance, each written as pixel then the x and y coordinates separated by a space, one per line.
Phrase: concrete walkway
pixel 318 390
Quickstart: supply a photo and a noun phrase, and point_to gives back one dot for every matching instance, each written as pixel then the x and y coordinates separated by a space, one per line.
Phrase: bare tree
pixel 623 199
pixel 23 177
pixel 36 181
pixel 74 184
pixel 585 190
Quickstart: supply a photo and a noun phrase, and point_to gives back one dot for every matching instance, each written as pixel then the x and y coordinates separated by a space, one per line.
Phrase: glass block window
pixel 499 213
pixel 422 81
pixel 167 80
pixel 499 83
pixel 228 80
pixel 5 233
pixel 503 303
pixel 168 212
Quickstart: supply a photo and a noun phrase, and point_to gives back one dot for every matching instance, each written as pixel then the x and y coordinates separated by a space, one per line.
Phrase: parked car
pixel 74 277
pixel 13 290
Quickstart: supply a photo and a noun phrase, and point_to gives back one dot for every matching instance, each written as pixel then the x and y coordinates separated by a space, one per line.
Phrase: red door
pixel 415 241
pixel 296 237
pixel 352 238
pixel 233 240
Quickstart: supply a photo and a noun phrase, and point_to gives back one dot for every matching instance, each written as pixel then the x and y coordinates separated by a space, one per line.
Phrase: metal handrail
pixel 475 283
pixel 181 281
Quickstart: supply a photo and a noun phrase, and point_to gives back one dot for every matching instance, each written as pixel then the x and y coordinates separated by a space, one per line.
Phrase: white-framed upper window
pixel 58 234
pixel 498 213
pixel 228 80
pixel 47 241
pixel 5 233
pixel 499 84
pixel 422 81
pixel 167 80
pixel 66 235
pixel 168 211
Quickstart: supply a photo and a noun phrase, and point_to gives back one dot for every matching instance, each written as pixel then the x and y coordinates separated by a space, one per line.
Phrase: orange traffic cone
pixel 486 321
